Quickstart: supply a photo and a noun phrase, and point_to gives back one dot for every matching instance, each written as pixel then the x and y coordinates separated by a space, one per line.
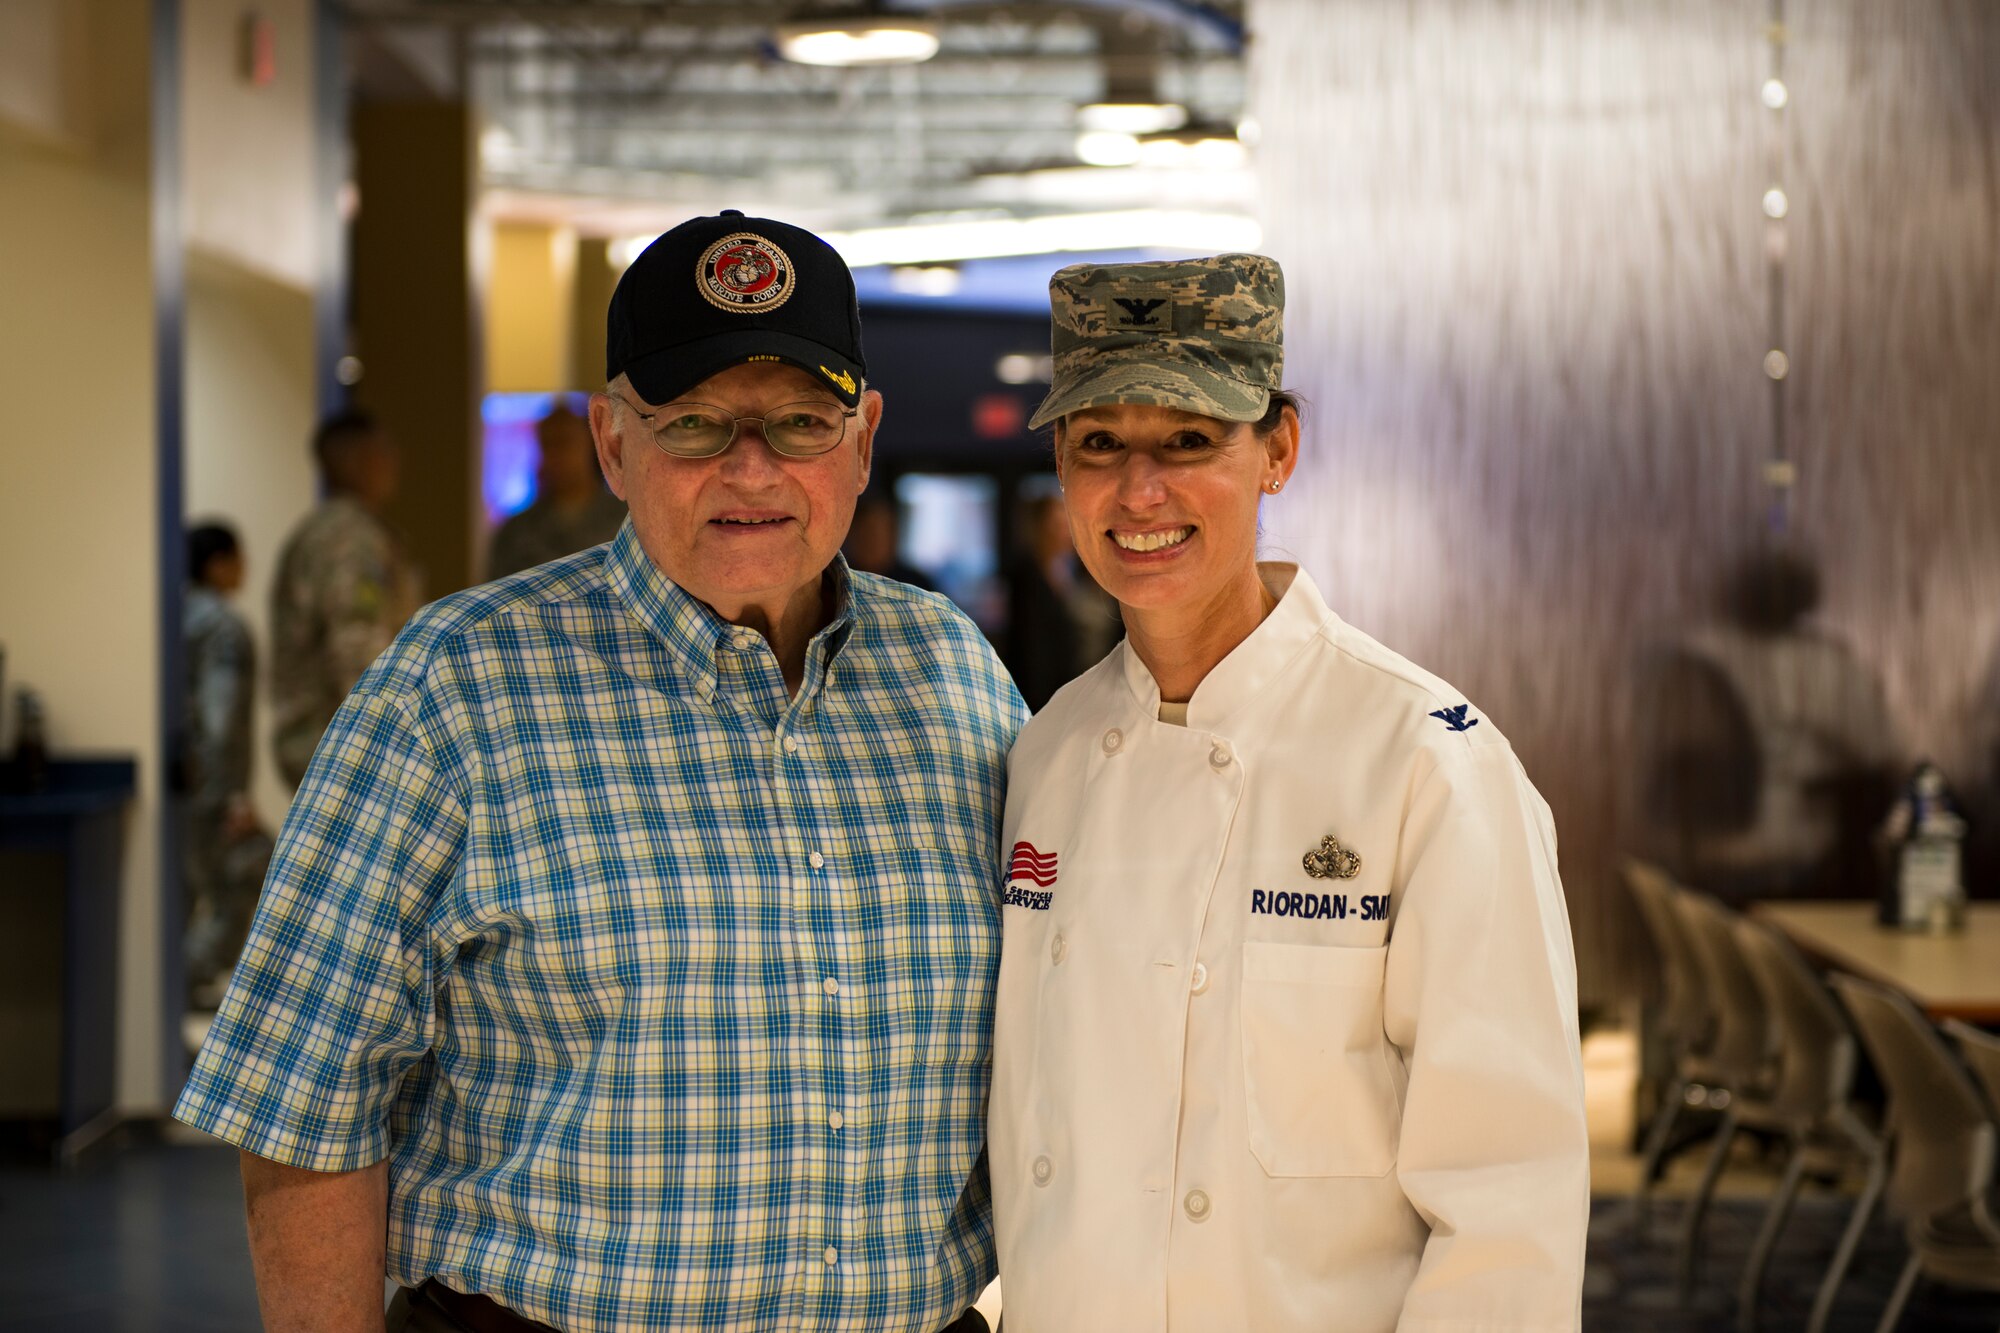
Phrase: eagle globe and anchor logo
pixel 744 273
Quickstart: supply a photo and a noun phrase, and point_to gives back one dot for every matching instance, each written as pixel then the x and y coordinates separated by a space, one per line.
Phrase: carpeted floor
pixel 151 1241
pixel 1630 1286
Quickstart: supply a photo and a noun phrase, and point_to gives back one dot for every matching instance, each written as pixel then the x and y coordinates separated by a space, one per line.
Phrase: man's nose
pixel 749 456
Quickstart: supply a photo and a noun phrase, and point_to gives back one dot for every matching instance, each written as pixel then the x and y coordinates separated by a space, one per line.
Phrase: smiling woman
pixel 1294 909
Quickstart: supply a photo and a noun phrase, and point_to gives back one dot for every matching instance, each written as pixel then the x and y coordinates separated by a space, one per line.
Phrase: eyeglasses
pixel 696 430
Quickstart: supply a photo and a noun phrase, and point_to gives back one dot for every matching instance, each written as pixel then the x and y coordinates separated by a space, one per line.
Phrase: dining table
pixel 1953 974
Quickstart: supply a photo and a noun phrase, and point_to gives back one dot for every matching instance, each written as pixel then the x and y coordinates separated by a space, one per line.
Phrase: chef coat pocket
pixel 1320 1098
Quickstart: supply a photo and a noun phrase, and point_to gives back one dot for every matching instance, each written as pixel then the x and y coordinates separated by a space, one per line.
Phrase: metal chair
pixel 1982 1056
pixel 1942 1145
pixel 1809 1102
pixel 1684 1019
pixel 1741 1057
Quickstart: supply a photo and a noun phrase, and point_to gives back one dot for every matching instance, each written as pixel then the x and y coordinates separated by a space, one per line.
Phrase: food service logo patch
pixel 744 272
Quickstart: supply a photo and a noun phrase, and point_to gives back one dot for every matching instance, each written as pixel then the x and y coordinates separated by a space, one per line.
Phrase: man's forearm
pixel 319 1242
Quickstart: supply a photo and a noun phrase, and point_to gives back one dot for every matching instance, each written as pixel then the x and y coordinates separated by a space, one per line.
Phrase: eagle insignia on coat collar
pixel 1330 860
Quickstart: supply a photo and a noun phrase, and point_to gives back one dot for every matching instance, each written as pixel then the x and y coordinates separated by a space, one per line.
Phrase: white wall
pixel 247 151
pixel 78 550
pixel 250 414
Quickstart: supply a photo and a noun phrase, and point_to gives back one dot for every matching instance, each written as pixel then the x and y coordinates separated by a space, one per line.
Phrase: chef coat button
pixel 1044 1170
pixel 816 860
pixel 791 745
pixel 1114 740
pixel 1200 978
pixel 830 986
pixel 1196 1204
pixel 1219 756
pixel 1058 948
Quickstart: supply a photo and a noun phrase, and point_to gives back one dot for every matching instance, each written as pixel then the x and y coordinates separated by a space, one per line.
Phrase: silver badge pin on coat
pixel 1330 860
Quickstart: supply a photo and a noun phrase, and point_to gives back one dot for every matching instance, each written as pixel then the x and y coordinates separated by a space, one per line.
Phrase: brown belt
pixel 478 1314
pixel 482 1314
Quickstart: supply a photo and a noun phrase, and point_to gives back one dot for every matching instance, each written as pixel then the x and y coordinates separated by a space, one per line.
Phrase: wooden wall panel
pixel 1527 302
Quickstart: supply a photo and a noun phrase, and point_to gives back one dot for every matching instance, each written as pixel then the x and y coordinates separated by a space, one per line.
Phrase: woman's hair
pixel 1274 415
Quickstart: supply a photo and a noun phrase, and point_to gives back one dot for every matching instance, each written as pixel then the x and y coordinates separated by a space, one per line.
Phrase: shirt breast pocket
pixel 1320 1095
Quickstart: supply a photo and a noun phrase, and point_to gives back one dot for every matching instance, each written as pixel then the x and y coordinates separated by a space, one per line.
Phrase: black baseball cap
pixel 718 291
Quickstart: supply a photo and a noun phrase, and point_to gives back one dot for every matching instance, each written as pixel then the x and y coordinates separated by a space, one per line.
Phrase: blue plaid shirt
pixel 668 996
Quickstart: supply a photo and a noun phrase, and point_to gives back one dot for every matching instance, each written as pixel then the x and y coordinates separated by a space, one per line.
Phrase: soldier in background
pixel 344 587
pixel 226 849
pixel 875 542
pixel 572 508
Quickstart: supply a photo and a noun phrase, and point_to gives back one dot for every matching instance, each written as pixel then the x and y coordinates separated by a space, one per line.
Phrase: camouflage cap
pixel 1202 335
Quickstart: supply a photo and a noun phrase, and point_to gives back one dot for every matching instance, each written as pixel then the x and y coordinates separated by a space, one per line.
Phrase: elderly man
pixel 628 957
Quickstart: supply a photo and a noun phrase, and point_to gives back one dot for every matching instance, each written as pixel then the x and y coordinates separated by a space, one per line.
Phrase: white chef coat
pixel 1228 1095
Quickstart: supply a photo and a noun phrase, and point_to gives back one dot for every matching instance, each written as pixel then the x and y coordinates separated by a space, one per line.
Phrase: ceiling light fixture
pixel 856 35
pixel 989 238
pixel 1131 117
pixel 1202 146
pixel 1107 148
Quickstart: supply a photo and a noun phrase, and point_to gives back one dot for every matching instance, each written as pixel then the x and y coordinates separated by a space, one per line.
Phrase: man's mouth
pixel 1152 541
pixel 751 522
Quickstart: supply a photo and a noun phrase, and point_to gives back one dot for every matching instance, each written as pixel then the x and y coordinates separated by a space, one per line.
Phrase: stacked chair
pixel 1809 1103
pixel 1757 1035
pixel 1685 1021
pixel 1943 1141
pixel 1741 1059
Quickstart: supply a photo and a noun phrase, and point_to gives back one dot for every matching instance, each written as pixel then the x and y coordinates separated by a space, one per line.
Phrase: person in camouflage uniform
pixel 572 508
pixel 226 850
pixel 344 588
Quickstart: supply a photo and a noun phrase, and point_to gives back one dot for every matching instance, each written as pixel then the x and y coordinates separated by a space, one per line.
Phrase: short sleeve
pixel 332 1001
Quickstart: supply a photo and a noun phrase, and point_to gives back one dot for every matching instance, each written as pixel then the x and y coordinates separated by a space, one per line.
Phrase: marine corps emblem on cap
pixel 744 273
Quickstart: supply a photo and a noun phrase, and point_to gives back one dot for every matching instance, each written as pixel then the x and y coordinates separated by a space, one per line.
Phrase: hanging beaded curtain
pixel 1531 305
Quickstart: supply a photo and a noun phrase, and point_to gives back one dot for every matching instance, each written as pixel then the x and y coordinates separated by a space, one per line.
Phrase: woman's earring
pixel 1277 486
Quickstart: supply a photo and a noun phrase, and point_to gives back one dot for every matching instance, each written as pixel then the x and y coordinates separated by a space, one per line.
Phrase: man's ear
pixel 864 443
pixel 610 445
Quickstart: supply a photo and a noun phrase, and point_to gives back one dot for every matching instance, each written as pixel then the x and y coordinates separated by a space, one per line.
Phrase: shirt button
pixel 1044 1170
pixel 1058 948
pixel 832 1255
pixel 816 860
pixel 1219 756
pixel 1114 739
pixel 835 1120
pixel 791 745
pixel 1196 1204
pixel 830 986
pixel 1200 978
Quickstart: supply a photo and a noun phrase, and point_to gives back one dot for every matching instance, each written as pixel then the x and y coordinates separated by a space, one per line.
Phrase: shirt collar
pixel 692 632
pixel 1245 675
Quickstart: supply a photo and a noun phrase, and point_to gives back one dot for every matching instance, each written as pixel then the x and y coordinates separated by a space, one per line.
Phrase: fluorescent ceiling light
pixel 1192 154
pixel 990 238
pixel 1107 148
pixel 1131 117
pixel 857 39
pixel 924 280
